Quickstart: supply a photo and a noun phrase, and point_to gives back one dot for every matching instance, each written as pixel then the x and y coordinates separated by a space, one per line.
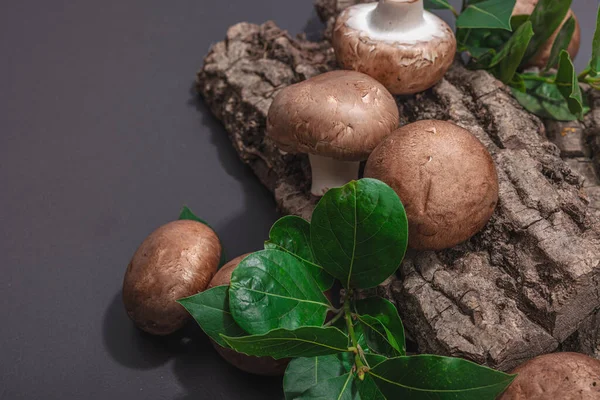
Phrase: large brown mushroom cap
pixel 340 114
pixel 557 376
pixel 177 260
pixel 540 59
pixel 267 366
pixel 402 66
pixel 445 178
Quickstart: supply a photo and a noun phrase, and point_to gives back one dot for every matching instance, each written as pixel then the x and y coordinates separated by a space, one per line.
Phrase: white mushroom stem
pixel 397 16
pixel 328 173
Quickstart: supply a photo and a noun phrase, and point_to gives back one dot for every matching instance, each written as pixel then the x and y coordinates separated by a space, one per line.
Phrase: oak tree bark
pixel 525 284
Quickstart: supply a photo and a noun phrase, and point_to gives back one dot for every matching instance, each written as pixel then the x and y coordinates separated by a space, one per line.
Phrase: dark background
pixel 102 140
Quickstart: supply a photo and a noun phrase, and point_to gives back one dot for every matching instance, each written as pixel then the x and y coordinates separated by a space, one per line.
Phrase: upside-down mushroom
pixel 397 42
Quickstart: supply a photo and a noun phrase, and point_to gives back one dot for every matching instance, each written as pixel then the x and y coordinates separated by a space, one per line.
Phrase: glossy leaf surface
pixel 359 233
pixel 272 289
pixel 292 234
pixel 488 14
pixel 438 378
pixel 384 331
pixel 509 58
pixel 210 309
pixel 284 343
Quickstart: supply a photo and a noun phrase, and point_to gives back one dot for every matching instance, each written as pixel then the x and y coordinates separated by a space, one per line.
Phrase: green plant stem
pixel 456 14
pixel 348 316
pixel 583 74
pixel 543 79
pixel 338 315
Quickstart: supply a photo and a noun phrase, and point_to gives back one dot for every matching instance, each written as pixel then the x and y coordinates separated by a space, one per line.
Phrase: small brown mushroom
pixel 255 365
pixel 540 59
pixel 338 118
pixel 177 260
pixel 558 376
pixel 445 178
pixel 397 42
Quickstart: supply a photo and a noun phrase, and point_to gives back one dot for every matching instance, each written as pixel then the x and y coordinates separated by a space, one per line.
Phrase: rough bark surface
pixel 522 286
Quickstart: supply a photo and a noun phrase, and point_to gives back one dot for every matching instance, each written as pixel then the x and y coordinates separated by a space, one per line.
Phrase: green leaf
pixel 561 42
pixel 272 289
pixel 307 341
pixel 595 61
pixel 292 235
pixel 487 14
pixel 441 378
pixel 210 309
pixel 187 214
pixel 543 99
pixel 437 5
pixel 546 19
pixel 339 388
pixel 317 376
pixel 359 233
pixel 384 329
pixel 568 84
pixel 304 373
pixel 507 61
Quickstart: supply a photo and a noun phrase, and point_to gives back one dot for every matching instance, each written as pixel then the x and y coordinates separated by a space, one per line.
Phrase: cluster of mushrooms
pixel 442 173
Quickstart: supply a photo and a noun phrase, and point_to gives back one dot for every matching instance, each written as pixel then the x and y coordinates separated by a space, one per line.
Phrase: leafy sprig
pixel 504 46
pixel 275 307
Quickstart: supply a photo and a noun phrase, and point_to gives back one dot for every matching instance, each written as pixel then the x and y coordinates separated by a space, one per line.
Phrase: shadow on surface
pixel 128 345
pixel 204 374
pixel 197 366
pixel 242 232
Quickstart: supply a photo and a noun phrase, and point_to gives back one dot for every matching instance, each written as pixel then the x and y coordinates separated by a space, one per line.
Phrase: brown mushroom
pixel 338 118
pixel 254 365
pixel 540 59
pixel 397 42
pixel 223 275
pixel 177 260
pixel 558 376
pixel 444 176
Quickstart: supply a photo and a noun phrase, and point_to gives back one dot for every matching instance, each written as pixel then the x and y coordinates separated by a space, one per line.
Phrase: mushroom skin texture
pixel 445 178
pixel 266 366
pixel 177 260
pixel 564 376
pixel 397 42
pixel 540 59
pixel 223 275
pixel 338 118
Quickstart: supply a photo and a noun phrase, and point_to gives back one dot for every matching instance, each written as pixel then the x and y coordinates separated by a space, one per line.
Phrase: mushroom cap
pixel 404 64
pixel 445 178
pixel 564 376
pixel 267 366
pixel 177 260
pixel 223 275
pixel 339 114
pixel 540 59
